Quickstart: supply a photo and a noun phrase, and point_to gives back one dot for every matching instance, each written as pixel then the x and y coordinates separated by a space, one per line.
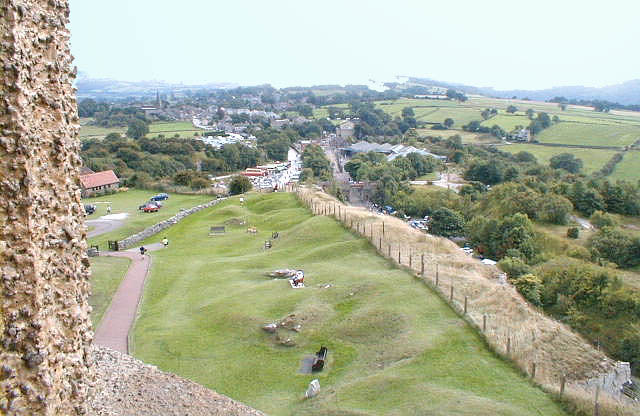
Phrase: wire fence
pixel 546 351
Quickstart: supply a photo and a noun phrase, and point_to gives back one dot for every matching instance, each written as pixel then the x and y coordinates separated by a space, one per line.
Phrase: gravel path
pixel 102 226
pixel 113 331
pixel 125 386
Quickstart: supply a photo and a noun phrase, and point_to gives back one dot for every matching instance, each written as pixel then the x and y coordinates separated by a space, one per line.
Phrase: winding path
pixel 118 320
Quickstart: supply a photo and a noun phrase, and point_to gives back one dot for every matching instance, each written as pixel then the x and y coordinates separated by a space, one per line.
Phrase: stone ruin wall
pixel 45 331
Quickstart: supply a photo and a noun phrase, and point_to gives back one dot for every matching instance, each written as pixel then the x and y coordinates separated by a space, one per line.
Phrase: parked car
pixel 150 208
pixel 156 203
pixel 160 197
pixel 89 209
pixel 149 204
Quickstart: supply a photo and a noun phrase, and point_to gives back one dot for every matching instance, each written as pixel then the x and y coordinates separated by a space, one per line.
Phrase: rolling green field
pixel 106 275
pixel 128 202
pixel 592 159
pixel 395 348
pixel 629 168
pixel 508 122
pixel 590 134
pixel 88 131
pixel 184 129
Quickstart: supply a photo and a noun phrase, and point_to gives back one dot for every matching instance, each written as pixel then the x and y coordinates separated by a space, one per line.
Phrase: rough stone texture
pixel 126 386
pixel 162 225
pixel 45 332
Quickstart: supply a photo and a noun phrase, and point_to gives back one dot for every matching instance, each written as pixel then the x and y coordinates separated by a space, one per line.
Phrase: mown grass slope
pixel 395 347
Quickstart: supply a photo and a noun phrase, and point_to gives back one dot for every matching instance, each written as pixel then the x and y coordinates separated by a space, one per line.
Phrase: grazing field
pixel 629 168
pixel 592 159
pixel 508 122
pixel 87 131
pixel 394 346
pixel 183 129
pixel 106 275
pixel 467 137
pixel 128 202
pixel 590 134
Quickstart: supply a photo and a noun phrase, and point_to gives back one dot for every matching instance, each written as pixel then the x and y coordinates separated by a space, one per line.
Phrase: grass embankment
pixel 106 275
pixel 394 346
pixel 128 202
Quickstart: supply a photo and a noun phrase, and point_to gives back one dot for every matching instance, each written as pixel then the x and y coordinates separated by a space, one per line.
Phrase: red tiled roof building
pixel 98 182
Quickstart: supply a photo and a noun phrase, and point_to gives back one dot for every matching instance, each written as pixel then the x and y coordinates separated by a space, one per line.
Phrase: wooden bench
pixel 267 244
pixel 217 230
pixel 318 361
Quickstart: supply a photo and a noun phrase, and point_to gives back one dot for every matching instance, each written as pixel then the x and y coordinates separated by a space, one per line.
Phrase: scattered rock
pixel 313 390
pixel 270 328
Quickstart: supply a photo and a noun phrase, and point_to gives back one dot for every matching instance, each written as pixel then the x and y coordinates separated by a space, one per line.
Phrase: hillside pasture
pixel 590 134
pixel 183 129
pixel 508 122
pixel 592 159
pixel 394 346
pixel 629 168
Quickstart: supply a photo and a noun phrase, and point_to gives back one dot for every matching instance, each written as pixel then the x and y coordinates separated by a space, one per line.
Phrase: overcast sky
pixel 503 44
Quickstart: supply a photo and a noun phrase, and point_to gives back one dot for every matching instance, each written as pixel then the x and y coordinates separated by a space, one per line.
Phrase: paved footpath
pixel 113 331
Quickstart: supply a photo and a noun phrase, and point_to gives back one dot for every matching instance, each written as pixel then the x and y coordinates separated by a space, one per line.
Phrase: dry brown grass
pixel 514 328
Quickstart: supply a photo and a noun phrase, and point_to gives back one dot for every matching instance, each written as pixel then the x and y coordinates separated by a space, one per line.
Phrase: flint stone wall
pixel 45 331
pixel 162 225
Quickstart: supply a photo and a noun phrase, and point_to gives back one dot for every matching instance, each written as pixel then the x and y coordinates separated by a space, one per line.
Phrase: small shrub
pixel 529 286
pixel 573 232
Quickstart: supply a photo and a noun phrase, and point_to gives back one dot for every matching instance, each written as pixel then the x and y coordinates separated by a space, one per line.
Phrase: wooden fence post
pixel 410 260
pixel 596 406
pixel 451 294
pixel 484 322
pixel 383 228
pixel 422 267
pixel 563 380
pixel 399 261
pixel 509 345
pixel 437 273
pixel 389 251
pixel 533 370
pixel 380 243
pixel 465 305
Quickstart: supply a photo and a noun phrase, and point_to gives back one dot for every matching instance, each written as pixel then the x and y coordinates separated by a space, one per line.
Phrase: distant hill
pixel 626 93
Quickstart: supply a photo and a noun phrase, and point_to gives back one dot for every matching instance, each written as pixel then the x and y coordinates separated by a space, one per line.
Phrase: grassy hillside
pixel 592 159
pixel 629 168
pixel 395 347
pixel 590 134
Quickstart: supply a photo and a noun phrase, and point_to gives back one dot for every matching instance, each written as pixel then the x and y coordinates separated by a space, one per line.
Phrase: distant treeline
pixel 598 105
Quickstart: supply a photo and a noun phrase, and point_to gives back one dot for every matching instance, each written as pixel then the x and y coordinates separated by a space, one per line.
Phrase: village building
pixel 94 183
pixel 346 129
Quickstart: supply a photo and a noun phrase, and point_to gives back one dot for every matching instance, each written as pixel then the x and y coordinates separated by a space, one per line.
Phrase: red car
pixel 150 208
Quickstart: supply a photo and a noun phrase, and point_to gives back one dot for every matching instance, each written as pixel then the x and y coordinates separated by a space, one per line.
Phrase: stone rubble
pixel 125 386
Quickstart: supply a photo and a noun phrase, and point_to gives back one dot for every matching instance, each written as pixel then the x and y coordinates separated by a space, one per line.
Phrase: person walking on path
pixel 108 209
pixel 142 250
pixel 165 242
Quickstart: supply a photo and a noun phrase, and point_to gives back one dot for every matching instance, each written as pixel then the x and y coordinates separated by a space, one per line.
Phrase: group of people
pixel 165 243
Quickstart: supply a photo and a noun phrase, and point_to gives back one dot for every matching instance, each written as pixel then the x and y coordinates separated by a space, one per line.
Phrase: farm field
pixel 184 129
pixel 394 346
pixel 508 122
pixel 590 134
pixel 467 137
pixel 88 131
pixel 628 169
pixel 128 202
pixel 592 159
pixel 106 275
